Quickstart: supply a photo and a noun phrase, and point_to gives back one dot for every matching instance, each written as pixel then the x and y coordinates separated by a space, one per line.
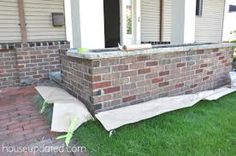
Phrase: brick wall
pixel 8 68
pixel 116 82
pixel 29 63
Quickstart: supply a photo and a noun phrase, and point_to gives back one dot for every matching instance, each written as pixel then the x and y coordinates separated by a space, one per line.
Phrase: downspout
pixel 161 21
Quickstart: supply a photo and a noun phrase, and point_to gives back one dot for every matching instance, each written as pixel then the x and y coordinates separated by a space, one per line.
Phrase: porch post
pixel 183 21
pixel 22 23
pixel 92 24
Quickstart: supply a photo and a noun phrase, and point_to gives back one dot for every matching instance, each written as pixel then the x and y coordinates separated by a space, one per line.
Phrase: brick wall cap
pixel 102 54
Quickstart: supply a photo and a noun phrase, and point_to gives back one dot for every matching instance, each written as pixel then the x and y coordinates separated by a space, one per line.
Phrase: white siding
pixel 167 20
pixel 9 21
pixel 39 20
pixel 209 27
pixel 150 16
pixel 150 20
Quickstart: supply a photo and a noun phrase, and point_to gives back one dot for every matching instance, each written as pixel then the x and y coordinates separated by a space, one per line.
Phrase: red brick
pixel 101 85
pixel 194 86
pixel 189 92
pixel 215 50
pixel 142 58
pixel 111 90
pixel 144 71
pixel 209 72
pixel 120 68
pixel 130 98
pixel 179 85
pixel 93 78
pixel 157 80
pixel 206 78
pixel 163 73
pixel 181 65
pixel 102 98
pixel 163 84
pixel 200 51
pixel 224 61
pixel 152 63
pixel 221 58
pixel 199 71
pixel 128 74
pixel 137 65
pixel 203 65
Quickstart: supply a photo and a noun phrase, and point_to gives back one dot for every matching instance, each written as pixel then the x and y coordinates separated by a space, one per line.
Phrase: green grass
pixel 208 128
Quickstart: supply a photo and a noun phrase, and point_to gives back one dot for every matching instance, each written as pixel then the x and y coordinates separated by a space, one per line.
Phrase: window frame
pixel 199 8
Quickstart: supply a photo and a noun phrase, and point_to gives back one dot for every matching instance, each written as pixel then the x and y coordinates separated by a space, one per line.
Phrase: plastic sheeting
pixel 116 118
pixel 65 109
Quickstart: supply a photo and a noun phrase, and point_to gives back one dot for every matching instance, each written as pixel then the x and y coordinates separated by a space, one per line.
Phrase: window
pixel 199 8
pixel 129 16
pixel 232 8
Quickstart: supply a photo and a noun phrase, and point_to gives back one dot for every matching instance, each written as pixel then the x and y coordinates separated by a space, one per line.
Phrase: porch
pixel 107 23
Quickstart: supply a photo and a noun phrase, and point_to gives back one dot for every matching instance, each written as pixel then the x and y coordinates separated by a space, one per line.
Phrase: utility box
pixel 58 19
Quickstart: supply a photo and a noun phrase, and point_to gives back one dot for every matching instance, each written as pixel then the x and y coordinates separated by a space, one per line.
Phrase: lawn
pixel 209 128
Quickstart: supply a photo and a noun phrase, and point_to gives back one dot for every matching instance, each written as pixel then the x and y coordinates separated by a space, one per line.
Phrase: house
pixel 109 22
pixel 230 21
pixel 30 21
pixel 31 34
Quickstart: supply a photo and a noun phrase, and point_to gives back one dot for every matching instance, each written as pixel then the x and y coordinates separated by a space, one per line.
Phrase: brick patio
pixel 20 122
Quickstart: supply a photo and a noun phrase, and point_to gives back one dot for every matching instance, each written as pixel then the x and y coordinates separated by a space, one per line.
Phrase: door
pixel 130 21
pixel 112 23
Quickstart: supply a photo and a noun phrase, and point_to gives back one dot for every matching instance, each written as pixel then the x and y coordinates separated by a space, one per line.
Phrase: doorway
pixel 122 22
pixel 112 23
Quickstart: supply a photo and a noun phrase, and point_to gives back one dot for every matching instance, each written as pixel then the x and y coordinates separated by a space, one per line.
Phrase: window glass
pixel 129 16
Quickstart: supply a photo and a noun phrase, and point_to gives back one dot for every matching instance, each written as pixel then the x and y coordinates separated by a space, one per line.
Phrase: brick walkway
pixel 21 124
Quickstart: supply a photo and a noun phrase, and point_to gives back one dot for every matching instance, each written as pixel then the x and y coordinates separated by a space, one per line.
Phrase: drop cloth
pixel 65 108
pixel 116 118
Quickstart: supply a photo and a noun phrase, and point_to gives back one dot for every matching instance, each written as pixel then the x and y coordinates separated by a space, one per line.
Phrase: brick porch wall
pixel 29 63
pixel 116 82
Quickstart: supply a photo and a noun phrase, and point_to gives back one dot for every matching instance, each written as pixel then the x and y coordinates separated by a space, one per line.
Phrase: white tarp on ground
pixel 65 108
pixel 116 118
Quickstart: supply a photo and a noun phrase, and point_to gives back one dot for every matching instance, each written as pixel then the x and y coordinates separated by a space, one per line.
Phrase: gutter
pixel 161 21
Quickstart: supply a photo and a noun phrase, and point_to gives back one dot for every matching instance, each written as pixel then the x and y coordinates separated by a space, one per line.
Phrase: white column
pixel 189 22
pixel 183 21
pixel 86 29
pixel 75 24
pixel 92 24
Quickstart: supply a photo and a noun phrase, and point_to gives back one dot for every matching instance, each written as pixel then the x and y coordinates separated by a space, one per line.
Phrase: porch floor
pixel 21 124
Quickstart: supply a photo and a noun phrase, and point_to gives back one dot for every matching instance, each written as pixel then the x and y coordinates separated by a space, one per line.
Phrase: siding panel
pixel 209 27
pixel 150 20
pixel 39 20
pixel 9 20
pixel 150 24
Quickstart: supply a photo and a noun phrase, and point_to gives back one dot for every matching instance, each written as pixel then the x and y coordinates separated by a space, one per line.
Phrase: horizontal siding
pixel 39 20
pixel 167 18
pixel 209 27
pixel 9 21
pixel 150 24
